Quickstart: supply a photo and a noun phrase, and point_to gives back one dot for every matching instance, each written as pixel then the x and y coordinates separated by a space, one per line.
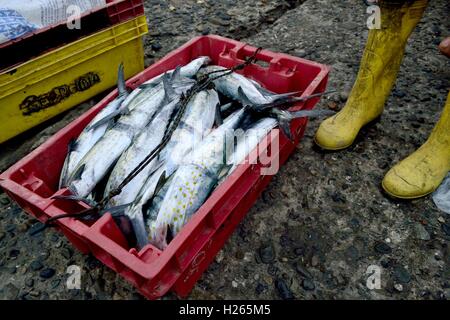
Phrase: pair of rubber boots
pixel 423 171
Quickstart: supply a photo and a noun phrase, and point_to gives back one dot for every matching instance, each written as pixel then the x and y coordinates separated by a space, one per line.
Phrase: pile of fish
pixel 201 152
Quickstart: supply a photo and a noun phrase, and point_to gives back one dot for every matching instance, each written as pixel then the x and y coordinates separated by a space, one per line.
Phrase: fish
pixel 145 142
pixel 104 154
pixel 229 84
pixel 135 211
pixel 144 91
pixel 195 124
pixel 78 148
pixel 193 182
pixel 250 140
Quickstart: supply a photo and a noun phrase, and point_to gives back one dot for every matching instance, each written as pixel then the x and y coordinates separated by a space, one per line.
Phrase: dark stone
pixel 283 290
pixel 29 282
pixel 66 253
pixel 446 229
pixel 10 291
pixel 14 253
pixel 47 273
pixel 386 263
pixel 156 46
pixel 401 274
pixel 308 285
pixel 34 228
pixel 302 271
pixel 4 200
pixel 267 253
pixel 383 248
pixel 36 265
pixel 2 236
pixel 260 288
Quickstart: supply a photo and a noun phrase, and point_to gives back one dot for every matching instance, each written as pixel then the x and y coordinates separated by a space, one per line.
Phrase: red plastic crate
pixel 42 40
pixel 33 181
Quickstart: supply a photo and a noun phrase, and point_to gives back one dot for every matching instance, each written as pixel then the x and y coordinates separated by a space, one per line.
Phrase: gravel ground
pixel 323 220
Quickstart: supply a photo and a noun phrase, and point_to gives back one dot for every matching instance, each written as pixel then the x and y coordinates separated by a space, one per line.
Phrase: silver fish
pixel 193 182
pixel 96 163
pixel 229 85
pixel 250 140
pixel 140 94
pixel 147 140
pixel 92 133
pixel 198 119
pixel 196 123
pixel 135 211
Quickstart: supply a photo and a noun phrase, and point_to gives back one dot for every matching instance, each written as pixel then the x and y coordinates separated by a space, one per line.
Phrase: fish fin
pixel 243 98
pixel 284 120
pixel 78 172
pixel 121 86
pixel 285 117
pixel 248 105
pixel 218 117
pixel 64 171
pixel 106 120
pixel 161 181
pixel 168 90
pixel 87 201
pixel 176 74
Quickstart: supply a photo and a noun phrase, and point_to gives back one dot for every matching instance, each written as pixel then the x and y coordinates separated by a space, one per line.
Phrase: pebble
pixel 34 293
pixel 47 273
pixel 382 248
pixel 10 291
pixel 420 232
pixel 398 287
pixel 29 282
pixel 267 253
pixel 441 219
pixel 401 274
pixel 314 261
pixel 36 265
pixel 446 229
pixel 14 253
pixel 260 288
pixel 308 285
pixel 234 284
pixel 66 253
pixel 156 46
pixel 302 271
pixel 283 290
pixel 4 201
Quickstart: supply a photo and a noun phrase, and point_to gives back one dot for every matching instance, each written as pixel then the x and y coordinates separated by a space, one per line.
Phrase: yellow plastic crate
pixel 39 89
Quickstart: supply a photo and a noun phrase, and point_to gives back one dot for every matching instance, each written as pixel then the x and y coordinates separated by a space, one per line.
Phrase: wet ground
pixel 323 220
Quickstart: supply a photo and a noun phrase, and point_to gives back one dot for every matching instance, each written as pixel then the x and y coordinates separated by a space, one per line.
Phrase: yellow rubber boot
pixel 378 70
pixel 423 171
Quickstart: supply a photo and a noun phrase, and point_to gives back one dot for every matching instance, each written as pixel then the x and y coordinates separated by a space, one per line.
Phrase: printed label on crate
pixel 18 18
pixel 33 103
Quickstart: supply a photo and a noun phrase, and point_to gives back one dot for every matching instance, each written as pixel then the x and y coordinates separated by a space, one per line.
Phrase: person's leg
pixel 378 70
pixel 423 171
